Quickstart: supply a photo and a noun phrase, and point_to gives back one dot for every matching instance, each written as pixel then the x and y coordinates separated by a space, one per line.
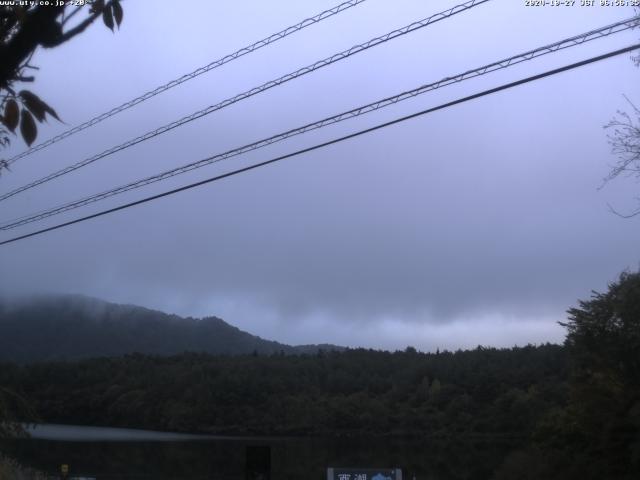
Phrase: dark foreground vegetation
pixel 569 411
pixel 12 470
pixel 484 391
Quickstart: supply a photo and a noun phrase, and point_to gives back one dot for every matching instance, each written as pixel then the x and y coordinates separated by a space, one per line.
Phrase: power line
pixel 249 93
pixel 185 78
pixel 501 64
pixel 332 142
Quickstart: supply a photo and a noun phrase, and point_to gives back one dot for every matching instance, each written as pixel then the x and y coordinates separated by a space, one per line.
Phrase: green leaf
pixel 51 112
pixel 33 103
pixel 11 114
pixel 37 106
pixel 28 127
pixel 107 18
pixel 117 12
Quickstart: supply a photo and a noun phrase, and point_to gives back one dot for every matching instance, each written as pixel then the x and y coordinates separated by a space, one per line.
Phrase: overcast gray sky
pixel 478 224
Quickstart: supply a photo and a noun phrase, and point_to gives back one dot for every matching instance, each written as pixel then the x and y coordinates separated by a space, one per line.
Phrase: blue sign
pixel 334 473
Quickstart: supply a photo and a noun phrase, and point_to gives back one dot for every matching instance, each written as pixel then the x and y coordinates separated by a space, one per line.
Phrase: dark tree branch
pixel 39 28
pixel 71 15
pixel 81 27
pixel 22 31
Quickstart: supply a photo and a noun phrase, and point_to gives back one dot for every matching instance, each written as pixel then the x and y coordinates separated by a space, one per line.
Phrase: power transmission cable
pixel 249 93
pixel 189 76
pixel 332 142
pixel 501 64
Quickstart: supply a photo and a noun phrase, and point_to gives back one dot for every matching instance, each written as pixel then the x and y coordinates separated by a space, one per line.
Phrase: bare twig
pixel 634 213
pixel 625 142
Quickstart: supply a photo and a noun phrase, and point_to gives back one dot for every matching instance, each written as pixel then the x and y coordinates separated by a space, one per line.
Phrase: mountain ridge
pixel 70 327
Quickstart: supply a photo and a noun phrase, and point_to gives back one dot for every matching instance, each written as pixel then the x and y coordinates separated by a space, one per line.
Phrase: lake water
pixel 126 454
pixel 75 433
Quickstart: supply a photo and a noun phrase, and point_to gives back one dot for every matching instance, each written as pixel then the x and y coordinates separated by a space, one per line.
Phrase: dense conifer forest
pixel 483 391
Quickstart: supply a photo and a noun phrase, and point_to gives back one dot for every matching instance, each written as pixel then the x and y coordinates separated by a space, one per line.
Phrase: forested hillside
pixel 73 327
pixel 483 391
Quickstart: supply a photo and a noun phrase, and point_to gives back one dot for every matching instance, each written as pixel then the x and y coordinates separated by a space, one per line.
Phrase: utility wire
pixel 332 142
pixel 505 63
pixel 249 93
pixel 185 78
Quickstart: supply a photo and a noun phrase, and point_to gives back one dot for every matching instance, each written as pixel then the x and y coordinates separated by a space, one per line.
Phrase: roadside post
pixel 258 462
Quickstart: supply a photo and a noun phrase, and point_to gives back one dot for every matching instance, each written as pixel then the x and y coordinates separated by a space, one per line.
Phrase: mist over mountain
pixel 71 327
